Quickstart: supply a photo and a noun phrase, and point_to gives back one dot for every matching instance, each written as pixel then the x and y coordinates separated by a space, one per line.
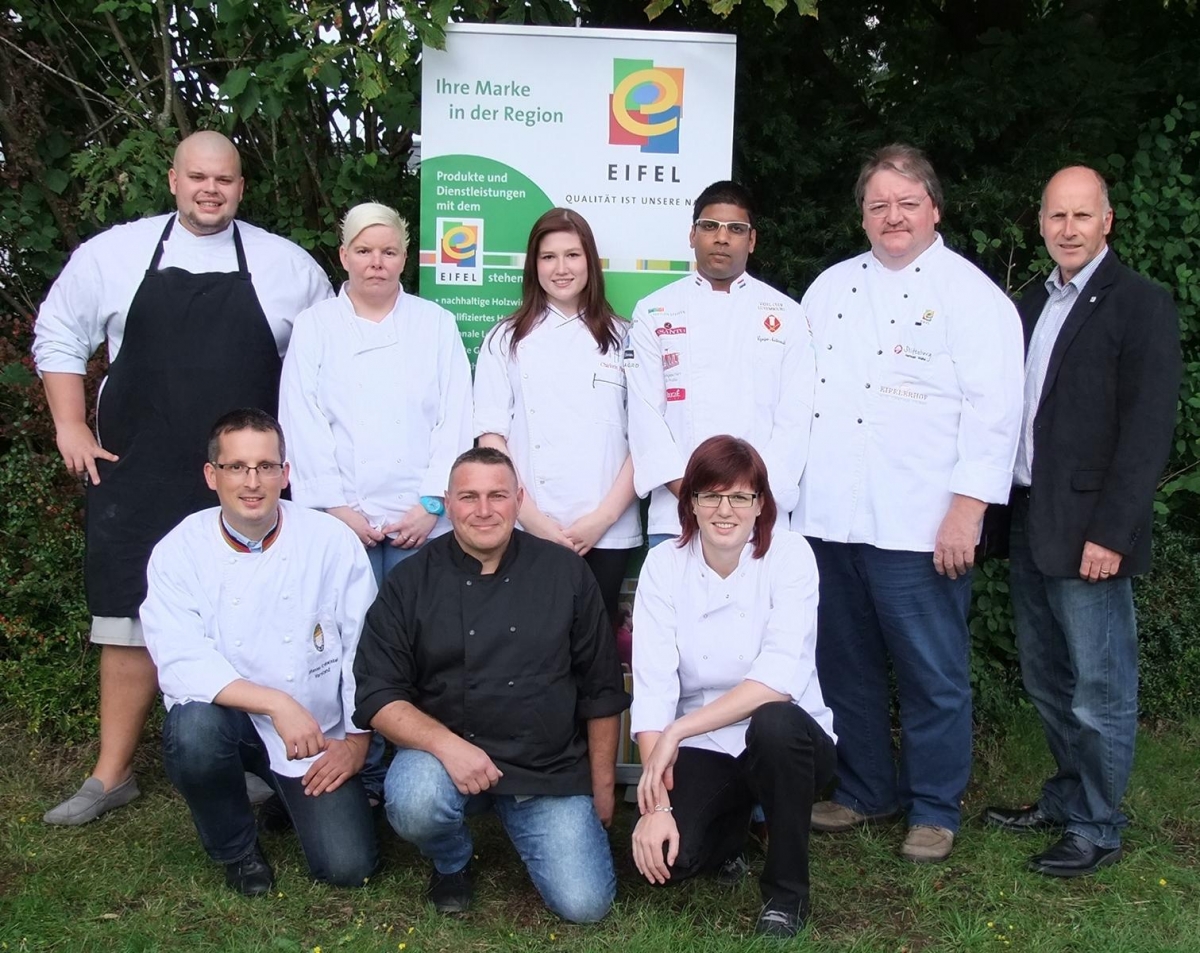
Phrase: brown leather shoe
pixel 833 818
pixel 927 844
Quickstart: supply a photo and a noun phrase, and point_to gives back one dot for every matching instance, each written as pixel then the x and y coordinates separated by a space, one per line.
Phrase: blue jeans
pixel 206 751
pixel 383 559
pixel 560 839
pixel 876 605
pixel 1077 643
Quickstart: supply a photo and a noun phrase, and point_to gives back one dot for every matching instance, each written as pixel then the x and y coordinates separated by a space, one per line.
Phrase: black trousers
pixel 608 566
pixel 787 761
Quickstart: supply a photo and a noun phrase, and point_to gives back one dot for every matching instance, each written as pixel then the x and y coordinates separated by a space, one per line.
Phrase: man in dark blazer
pixel 1102 373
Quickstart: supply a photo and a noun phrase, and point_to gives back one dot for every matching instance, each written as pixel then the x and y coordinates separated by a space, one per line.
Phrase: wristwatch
pixel 434 505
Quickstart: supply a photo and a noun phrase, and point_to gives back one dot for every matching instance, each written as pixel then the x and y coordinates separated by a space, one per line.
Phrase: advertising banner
pixel 624 126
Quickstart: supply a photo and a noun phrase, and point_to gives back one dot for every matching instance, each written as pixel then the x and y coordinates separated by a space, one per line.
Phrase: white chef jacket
pixel 560 405
pixel 701 362
pixel 375 413
pixel 919 391
pixel 287 618
pixel 89 301
pixel 696 635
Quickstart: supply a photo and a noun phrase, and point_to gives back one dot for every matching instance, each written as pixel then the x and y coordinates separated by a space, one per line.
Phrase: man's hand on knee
pixel 341 761
pixel 469 767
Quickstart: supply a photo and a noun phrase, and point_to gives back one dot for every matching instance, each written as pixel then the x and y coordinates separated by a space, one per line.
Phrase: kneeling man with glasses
pixel 252 617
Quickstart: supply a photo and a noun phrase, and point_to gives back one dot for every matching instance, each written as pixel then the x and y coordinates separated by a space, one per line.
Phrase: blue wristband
pixel 433 505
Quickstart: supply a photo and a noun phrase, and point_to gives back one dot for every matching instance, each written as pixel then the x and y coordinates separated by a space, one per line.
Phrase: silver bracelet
pixel 658 808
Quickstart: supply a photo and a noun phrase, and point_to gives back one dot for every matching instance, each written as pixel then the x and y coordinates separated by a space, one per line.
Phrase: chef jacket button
pixel 879 352
pixel 289 678
pixel 238 642
pixel 468 582
pixel 868 387
pixel 237 602
pixel 510 684
pixel 918 268
pixel 829 347
pixel 470 632
pixel 512 628
pixel 893 320
pixel 741 656
pixel 532 411
pixel 286 639
pixel 232 560
pixel 540 482
pixel 537 446
pixel 816 415
pixel 704 616
pixel 704 656
pixel 525 376
pixel 822 380
pixel 854 291
pixel 860 420
pixel 839 317
pixel 906 293
pixel 864 264
pixel 506 578
pixel 742 614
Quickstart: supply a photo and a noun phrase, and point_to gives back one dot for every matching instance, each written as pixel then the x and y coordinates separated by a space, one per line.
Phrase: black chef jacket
pixel 515 662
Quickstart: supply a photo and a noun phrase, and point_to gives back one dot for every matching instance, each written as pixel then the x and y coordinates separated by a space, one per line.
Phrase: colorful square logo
pixel 460 251
pixel 645 106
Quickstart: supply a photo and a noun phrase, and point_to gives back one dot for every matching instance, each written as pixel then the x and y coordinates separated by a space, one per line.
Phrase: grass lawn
pixel 137 880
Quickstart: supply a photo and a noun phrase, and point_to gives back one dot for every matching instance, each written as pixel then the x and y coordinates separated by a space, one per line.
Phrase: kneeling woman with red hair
pixel 727 710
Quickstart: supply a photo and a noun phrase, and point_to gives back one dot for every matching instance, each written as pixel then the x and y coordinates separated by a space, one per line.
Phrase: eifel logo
pixel 772 323
pixel 645 106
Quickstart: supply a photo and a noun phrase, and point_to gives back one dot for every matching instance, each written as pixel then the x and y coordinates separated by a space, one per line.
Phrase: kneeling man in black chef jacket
pixel 489 661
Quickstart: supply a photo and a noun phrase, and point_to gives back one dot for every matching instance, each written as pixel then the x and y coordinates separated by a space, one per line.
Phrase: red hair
pixel 717 464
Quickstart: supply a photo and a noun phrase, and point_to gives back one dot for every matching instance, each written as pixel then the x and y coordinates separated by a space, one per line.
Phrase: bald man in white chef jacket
pixel 253 615
pixel 717 352
pixel 914 433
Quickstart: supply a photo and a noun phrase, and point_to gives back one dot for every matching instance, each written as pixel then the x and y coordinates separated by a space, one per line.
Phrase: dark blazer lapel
pixel 1083 308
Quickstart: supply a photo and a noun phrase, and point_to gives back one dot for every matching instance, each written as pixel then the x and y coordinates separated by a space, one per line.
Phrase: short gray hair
pixel 906 160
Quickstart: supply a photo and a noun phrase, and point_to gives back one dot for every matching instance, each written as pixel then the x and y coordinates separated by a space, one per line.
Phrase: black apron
pixel 195 347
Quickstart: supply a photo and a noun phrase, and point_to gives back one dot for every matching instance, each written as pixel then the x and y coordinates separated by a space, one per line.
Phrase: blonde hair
pixel 372 213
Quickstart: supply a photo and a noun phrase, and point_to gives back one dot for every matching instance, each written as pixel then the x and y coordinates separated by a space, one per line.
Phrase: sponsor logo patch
pixel 676 393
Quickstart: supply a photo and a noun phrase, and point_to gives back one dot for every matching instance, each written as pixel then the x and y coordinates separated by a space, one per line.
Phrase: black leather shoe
pixel 1073 856
pixel 1021 820
pixel 251 875
pixel 731 873
pixel 779 923
pixel 451 893
pixel 273 817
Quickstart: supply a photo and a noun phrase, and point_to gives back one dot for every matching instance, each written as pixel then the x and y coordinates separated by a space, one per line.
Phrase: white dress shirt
pixel 287 618
pixel 375 413
pixel 560 405
pixel 697 635
pixel 701 362
pixel 918 398
pixel 1061 299
pixel 90 299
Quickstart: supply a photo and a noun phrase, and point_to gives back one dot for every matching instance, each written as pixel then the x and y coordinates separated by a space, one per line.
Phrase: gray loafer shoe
pixel 90 801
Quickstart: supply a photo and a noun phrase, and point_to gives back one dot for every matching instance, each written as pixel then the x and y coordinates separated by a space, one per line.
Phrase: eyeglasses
pixel 906 206
pixel 710 226
pixel 265 471
pixel 739 501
